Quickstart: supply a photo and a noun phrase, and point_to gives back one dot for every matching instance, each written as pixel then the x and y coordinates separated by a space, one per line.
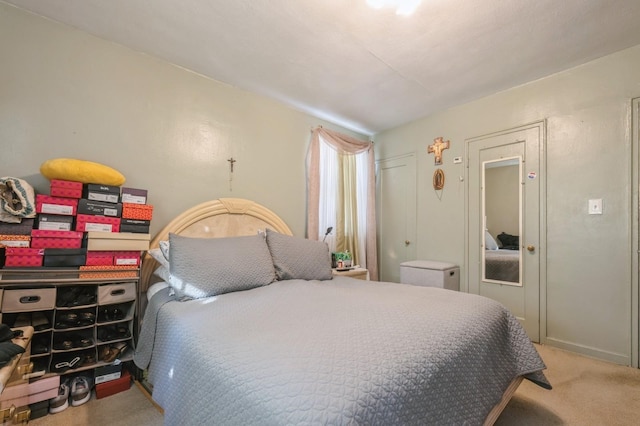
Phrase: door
pixel 396 198
pixel 503 209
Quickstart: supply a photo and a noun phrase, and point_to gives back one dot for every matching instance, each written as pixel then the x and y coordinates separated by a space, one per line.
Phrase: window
pixel 342 195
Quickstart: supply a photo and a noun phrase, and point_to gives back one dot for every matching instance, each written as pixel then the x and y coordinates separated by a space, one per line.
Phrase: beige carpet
pixel 126 408
pixel 585 392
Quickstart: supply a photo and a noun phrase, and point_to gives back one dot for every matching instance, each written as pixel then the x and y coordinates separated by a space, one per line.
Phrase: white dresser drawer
pixel 116 293
pixel 30 299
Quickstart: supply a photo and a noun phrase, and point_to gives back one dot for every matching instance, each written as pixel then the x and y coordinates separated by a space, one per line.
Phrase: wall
pixel 65 93
pixel 586 304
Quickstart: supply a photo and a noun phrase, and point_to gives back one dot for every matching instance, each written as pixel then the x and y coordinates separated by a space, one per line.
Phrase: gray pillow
pixel 299 258
pixel 204 267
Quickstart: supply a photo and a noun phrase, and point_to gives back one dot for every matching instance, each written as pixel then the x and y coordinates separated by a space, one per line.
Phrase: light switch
pixel 595 206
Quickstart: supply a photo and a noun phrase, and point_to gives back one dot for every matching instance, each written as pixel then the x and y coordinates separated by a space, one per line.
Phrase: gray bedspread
pixel 339 352
pixel 502 265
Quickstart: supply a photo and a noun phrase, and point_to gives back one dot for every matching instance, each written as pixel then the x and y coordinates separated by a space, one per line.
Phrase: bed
pixel 502 265
pixel 309 348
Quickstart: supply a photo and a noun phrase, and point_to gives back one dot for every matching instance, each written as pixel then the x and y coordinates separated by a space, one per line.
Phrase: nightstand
pixel 358 273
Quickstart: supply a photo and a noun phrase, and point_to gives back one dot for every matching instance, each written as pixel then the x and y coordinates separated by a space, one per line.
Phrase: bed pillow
pixel 299 258
pixel 204 267
pixel 156 253
pixel 164 247
pixel 489 241
pixel 511 242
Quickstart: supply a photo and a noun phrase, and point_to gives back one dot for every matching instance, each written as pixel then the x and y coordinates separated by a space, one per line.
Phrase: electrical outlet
pixel 595 206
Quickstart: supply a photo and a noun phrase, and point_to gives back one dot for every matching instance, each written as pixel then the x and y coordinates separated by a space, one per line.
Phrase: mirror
pixel 502 213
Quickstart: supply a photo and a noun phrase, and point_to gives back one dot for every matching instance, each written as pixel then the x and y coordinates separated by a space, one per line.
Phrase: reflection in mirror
pixel 501 210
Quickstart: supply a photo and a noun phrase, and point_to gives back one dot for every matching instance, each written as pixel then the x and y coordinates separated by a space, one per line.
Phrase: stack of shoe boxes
pixel 71 227
pixel 14 235
pixel 102 215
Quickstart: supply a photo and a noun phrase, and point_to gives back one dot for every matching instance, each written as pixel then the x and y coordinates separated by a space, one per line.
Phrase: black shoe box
pixel 39 409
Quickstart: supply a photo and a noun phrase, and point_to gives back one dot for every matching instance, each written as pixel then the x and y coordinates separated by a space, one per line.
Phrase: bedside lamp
pixel 329 229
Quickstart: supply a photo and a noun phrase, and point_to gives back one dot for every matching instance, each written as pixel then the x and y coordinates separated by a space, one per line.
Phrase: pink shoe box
pixel 99 258
pixel 20 257
pixel 56 205
pixel 88 222
pixel 65 188
pixel 44 238
pixel 126 258
pixel 30 393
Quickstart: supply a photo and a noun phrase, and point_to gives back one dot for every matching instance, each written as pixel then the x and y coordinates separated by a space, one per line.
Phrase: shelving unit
pixel 76 320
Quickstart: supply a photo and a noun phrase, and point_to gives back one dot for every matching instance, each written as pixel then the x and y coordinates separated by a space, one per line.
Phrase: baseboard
pixel 600 354
pixel 146 393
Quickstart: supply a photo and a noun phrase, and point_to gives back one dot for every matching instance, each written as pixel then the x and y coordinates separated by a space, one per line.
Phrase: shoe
pixel 62 364
pixel 61 401
pixel 23 320
pixel 110 353
pixel 80 391
pixel 39 321
pixel 87 318
pixel 68 318
pixel 63 345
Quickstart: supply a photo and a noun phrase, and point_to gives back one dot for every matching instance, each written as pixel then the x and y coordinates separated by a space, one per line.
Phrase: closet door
pixel 505 168
pixel 396 180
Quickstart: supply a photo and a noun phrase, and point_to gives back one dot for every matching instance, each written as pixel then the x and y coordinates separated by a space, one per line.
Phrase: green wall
pixel 590 282
pixel 65 93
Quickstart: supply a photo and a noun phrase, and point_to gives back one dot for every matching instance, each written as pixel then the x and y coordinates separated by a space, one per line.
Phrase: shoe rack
pixel 79 323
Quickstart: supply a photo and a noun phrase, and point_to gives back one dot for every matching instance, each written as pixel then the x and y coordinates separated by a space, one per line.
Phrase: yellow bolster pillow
pixel 81 171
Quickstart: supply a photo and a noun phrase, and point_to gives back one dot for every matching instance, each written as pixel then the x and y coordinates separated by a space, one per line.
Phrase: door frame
pixel 541 126
pixel 635 233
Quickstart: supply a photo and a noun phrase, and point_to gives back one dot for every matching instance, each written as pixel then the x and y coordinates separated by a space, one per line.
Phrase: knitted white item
pixel 17 200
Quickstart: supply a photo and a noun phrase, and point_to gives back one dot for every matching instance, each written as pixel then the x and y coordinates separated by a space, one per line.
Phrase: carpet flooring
pixel 585 392
pixel 126 408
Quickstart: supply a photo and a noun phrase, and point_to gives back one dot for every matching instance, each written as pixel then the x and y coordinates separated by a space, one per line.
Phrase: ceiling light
pixel 402 7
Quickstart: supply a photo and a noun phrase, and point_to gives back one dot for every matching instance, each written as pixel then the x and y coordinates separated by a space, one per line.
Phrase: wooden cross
pixel 437 147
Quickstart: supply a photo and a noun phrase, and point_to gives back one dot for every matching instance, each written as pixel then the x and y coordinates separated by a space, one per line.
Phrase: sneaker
pixel 80 391
pixel 60 402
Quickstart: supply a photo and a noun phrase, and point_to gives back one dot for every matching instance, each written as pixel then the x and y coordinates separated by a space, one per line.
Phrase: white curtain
pixel 318 218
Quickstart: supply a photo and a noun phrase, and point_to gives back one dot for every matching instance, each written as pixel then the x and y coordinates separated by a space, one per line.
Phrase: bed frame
pixel 228 217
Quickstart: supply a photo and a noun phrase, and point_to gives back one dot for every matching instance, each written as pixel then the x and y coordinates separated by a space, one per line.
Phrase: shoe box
pixel 30 393
pixel 107 373
pixel 39 409
pixel 114 386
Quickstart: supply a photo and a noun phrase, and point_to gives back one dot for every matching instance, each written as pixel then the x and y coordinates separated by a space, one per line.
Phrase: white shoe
pixel 80 391
pixel 60 402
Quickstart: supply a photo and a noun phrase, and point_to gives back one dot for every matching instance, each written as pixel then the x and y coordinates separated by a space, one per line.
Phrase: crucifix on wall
pixel 231 163
pixel 437 147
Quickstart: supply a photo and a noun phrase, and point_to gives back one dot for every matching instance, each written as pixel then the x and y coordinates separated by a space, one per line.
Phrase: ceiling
pixel 367 70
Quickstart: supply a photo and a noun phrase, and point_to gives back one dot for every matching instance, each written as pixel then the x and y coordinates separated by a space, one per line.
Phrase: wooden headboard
pixel 224 217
